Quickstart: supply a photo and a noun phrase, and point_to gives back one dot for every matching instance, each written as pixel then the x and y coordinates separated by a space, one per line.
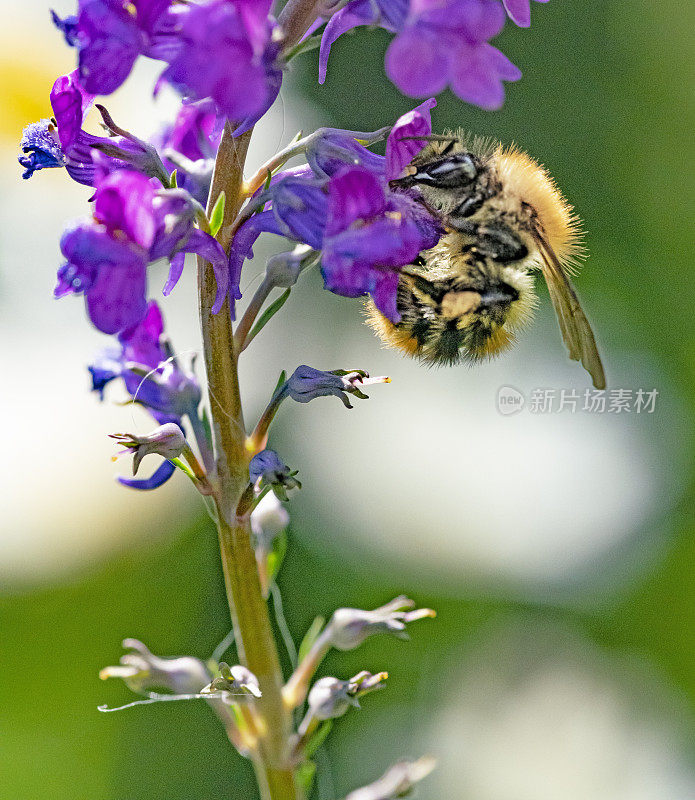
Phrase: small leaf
pixel 266 316
pixel 310 637
pixel 205 419
pixel 305 775
pixel 277 555
pixel 173 180
pixel 318 738
pixel 217 215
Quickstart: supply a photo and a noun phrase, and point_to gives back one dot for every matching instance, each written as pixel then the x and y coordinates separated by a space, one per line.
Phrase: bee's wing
pixel 574 325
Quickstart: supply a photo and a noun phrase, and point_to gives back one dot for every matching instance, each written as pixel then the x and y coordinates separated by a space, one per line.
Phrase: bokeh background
pixel 558 549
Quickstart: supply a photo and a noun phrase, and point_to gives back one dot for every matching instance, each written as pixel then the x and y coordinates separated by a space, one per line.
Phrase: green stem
pixel 249 612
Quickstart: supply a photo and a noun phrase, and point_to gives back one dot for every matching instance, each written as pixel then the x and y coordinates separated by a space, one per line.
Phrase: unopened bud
pixel 167 441
pixel 330 698
pixel 398 781
pixel 349 627
pixel 283 269
pixel 268 519
pixel 234 680
pixel 142 671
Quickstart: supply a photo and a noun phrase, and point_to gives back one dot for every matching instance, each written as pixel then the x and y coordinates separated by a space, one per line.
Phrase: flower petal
pixel 159 477
pixel 401 147
pixel 354 193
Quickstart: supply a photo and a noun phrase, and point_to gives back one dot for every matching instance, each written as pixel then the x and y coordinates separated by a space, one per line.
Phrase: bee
pixel 505 219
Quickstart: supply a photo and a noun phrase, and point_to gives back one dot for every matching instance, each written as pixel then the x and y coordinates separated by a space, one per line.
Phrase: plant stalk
pixel 249 612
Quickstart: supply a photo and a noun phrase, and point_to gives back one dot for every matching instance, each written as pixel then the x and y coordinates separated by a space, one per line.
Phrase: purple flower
pixel 107 256
pixel 403 144
pixel 370 234
pixel 227 53
pixel 268 469
pixel 388 14
pixel 307 383
pixel 445 42
pixel 151 374
pixel 61 142
pixel 190 146
pixel 520 11
pixel 438 43
pixel 153 378
pixel 110 34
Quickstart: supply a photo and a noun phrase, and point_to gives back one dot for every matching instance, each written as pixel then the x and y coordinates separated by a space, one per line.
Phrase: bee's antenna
pixel 429 138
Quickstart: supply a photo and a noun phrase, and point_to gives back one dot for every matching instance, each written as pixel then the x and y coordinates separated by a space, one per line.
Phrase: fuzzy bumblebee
pixel 465 299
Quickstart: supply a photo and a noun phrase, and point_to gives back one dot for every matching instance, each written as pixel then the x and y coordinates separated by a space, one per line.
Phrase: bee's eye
pixel 449 173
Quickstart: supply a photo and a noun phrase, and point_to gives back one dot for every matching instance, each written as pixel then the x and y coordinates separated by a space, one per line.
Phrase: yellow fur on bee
pixel 393 337
pixel 524 178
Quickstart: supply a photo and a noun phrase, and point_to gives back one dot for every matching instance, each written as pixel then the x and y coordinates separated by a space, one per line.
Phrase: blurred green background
pixel 558 551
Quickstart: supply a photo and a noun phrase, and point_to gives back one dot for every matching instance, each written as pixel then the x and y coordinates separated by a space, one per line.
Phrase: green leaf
pixel 305 775
pixel 277 555
pixel 205 419
pixel 267 315
pixel 318 738
pixel 217 215
pixel 310 637
pixel 173 180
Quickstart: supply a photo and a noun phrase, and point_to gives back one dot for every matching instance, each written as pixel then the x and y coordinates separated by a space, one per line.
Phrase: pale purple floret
pixel 520 11
pixel 227 52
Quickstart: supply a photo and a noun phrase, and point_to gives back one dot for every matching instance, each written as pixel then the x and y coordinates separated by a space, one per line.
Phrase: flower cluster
pixel 225 49
pixel 341 204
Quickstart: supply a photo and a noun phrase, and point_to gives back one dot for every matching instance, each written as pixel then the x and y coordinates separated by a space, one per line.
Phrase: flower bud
pixel 234 680
pixel 167 441
pixel 142 671
pixel 268 520
pixel 267 468
pixel 330 698
pixel 349 627
pixel 398 781
pixel 283 270
pixel 307 383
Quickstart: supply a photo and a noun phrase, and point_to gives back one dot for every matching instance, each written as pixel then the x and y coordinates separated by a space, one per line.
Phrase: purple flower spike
pixel 445 42
pixel 520 11
pixel 388 14
pixel 227 53
pixel 369 235
pixel 402 144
